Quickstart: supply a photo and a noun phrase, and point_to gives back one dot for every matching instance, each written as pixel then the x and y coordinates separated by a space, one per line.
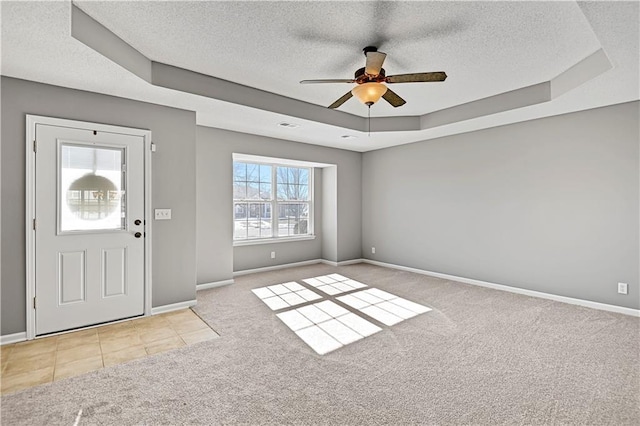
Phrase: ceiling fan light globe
pixel 369 93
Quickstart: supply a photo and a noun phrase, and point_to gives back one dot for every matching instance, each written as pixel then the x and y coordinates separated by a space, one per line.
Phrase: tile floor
pixel 53 358
pixel 326 326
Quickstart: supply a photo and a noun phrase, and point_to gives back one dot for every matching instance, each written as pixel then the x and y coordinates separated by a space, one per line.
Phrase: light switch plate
pixel 163 214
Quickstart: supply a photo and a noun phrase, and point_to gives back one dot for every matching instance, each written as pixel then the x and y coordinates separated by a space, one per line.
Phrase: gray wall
pixel 330 214
pixel 549 205
pixel 174 241
pixel 217 259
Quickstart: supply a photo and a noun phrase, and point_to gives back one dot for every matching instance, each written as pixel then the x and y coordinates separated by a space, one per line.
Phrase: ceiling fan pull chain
pixel 369 119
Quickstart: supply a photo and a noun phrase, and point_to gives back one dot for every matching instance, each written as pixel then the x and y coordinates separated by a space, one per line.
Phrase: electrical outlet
pixel 622 288
pixel 162 214
pixel 273 254
pixel 373 250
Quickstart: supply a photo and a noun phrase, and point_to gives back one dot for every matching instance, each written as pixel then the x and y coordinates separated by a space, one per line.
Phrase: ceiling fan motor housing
pixel 361 77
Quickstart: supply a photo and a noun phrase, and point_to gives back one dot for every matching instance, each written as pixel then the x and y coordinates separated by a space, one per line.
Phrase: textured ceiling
pixel 486 48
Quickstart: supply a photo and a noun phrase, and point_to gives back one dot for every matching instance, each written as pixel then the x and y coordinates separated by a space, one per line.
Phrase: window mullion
pixel 274 203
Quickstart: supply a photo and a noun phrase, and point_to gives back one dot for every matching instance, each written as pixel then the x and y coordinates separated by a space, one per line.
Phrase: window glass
pixel 293 219
pixel 259 190
pixel 92 188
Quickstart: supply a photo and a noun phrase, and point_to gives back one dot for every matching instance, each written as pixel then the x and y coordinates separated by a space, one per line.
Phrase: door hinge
pixel 35 146
pixel 34 224
pixel 34 303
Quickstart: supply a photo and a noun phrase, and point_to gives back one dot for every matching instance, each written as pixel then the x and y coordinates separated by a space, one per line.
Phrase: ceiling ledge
pixel 587 69
pixel 507 101
pixel 171 77
pixel 93 34
pixel 99 38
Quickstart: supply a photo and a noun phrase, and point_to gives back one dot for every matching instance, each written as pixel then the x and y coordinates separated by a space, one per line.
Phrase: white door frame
pixel 30 197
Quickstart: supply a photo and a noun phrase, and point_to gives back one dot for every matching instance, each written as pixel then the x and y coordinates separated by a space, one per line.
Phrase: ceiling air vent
pixel 288 125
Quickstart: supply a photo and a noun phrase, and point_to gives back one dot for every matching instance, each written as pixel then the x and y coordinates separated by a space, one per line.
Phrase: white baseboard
pixel 172 307
pixel 275 267
pixel 350 262
pixel 502 287
pixel 293 265
pixel 342 263
pixel 7 339
pixel 215 284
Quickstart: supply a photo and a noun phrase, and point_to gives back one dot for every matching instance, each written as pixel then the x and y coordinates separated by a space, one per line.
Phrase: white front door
pixel 89 227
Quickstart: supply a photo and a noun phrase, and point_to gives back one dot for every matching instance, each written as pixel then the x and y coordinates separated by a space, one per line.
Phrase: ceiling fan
pixel 370 79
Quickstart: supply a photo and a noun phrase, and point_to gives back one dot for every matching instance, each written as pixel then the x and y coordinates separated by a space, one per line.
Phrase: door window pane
pixel 92 188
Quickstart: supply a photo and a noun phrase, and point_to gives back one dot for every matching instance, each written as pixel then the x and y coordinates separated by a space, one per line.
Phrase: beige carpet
pixel 479 357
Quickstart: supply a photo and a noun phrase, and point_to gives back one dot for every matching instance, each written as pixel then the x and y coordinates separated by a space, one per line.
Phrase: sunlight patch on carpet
pixel 334 284
pixel 285 295
pixel 385 307
pixel 326 326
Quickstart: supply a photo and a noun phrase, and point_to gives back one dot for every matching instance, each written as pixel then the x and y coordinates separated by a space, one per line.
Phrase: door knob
pixel 137 222
pixel 137 235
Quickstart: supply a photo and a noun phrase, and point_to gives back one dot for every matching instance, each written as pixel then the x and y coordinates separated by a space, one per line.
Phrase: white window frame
pixel 310 235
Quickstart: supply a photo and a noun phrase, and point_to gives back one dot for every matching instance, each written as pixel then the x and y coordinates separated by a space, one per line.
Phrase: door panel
pixel 72 278
pixel 89 262
pixel 114 272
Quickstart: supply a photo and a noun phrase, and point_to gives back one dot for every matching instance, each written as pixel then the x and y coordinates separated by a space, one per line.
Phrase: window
pixel 271 201
pixel 92 188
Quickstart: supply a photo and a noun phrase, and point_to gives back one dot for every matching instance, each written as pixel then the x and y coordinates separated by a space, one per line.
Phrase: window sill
pixel 240 243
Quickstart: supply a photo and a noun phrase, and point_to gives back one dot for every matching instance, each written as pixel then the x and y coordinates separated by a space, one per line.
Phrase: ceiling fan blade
pixel 393 98
pixel 328 81
pixel 342 100
pixel 374 63
pixel 418 77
